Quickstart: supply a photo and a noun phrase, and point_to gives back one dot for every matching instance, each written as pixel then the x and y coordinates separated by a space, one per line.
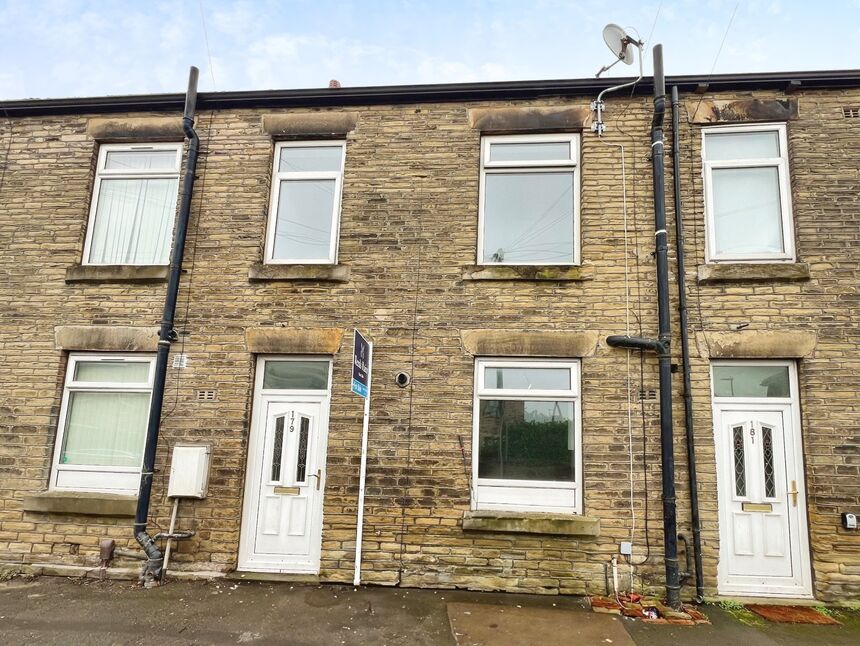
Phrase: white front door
pixel 282 522
pixel 763 535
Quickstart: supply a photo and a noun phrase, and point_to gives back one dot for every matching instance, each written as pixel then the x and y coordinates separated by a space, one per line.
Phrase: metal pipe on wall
pixel 153 568
pixel 662 344
pixel 685 350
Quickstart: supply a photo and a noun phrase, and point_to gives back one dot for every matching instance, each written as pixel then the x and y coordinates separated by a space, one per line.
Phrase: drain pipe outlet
pixel 153 568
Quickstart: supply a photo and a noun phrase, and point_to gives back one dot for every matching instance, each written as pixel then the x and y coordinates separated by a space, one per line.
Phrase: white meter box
pixel 189 471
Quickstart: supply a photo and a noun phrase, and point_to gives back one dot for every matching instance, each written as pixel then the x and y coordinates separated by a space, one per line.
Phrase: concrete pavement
pixel 69 611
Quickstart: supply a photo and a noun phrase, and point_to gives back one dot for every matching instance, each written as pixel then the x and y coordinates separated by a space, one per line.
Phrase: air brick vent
pixel 851 112
pixel 206 395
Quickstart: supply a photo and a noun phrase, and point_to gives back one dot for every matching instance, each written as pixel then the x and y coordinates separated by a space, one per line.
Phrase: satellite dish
pixel 617 40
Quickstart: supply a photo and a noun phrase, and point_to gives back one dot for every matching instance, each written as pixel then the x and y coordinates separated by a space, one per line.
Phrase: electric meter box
pixel 189 471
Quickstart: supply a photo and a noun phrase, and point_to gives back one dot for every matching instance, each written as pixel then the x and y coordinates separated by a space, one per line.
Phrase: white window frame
pixel 780 163
pixel 123 173
pixel 534 166
pixel 527 495
pixel 102 478
pixel 757 363
pixel 279 176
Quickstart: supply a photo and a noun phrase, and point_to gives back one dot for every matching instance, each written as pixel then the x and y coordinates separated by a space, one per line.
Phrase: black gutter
pixel 153 568
pixel 685 350
pixel 447 92
pixel 662 344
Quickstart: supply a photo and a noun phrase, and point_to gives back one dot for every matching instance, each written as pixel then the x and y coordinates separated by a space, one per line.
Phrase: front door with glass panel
pixel 282 520
pixel 763 536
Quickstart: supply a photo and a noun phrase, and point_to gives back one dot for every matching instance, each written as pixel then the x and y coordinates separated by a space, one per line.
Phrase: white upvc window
pixel 526 443
pixel 134 205
pixel 529 200
pixel 747 194
pixel 103 420
pixel 304 214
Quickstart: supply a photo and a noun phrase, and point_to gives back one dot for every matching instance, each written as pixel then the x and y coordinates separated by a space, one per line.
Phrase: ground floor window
pixel 526 439
pixel 103 420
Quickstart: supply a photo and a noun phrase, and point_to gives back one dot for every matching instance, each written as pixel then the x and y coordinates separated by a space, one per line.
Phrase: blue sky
pixel 54 48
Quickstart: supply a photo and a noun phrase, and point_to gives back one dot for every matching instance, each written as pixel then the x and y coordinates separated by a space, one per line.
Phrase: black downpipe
pixel 685 351
pixel 670 532
pixel 663 343
pixel 152 569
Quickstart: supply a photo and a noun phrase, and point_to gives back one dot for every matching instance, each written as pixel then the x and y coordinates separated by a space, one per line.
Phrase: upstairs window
pixel 304 214
pixel 134 205
pixel 527 436
pixel 747 194
pixel 529 200
pixel 103 419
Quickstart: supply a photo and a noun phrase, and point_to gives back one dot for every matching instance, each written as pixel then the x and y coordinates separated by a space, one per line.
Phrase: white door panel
pixel 282 522
pixel 762 519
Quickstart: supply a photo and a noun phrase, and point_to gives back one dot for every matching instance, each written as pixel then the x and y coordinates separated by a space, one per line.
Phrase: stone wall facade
pixel 407 279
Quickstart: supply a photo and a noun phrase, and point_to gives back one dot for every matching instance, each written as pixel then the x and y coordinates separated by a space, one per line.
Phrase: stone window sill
pixel 510 522
pixel 84 503
pixel 318 273
pixel 749 272
pixel 117 274
pixel 558 273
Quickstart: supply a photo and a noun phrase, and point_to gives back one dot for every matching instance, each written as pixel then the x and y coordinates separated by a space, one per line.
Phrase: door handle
pixel 318 476
pixel 793 493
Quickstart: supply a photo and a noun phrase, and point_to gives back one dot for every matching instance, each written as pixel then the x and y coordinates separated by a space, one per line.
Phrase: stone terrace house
pixel 487 241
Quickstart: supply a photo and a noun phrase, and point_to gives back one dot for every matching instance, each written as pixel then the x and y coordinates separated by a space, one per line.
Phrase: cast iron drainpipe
pixel 152 569
pixel 685 351
pixel 662 344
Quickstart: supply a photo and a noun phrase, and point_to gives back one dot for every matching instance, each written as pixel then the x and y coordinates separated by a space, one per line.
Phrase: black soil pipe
pixel 685 350
pixel 152 569
pixel 670 532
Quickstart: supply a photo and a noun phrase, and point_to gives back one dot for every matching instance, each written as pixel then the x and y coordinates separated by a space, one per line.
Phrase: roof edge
pixel 400 94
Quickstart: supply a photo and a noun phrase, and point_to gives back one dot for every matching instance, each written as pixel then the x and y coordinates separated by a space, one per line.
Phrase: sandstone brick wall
pixel 408 229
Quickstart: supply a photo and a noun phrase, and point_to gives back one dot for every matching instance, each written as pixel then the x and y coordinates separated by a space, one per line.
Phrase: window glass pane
pixel 305 214
pixel 296 375
pixel 141 159
pixel 740 461
pixel 515 378
pixel 751 381
pixel 767 455
pixel 311 158
pixel 124 372
pixel 747 212
pixel 526 440
pixel 742 145
pixel 528 217
pixel 105 429
pixel 133 222
pixel 302 457
pixel 551 150
pixel 277 449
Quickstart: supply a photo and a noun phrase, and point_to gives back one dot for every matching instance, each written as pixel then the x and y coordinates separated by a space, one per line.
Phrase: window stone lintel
pixel 84 503
pixel 135 129
pixel 516 343
pixel 278 340
pixel 106 338
pixel 309 124
pixel 741 111
pixel 752 272
pixel 531 119
pixel 117 274
pixel 756 344
pixel 260 272
pixel 531 523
